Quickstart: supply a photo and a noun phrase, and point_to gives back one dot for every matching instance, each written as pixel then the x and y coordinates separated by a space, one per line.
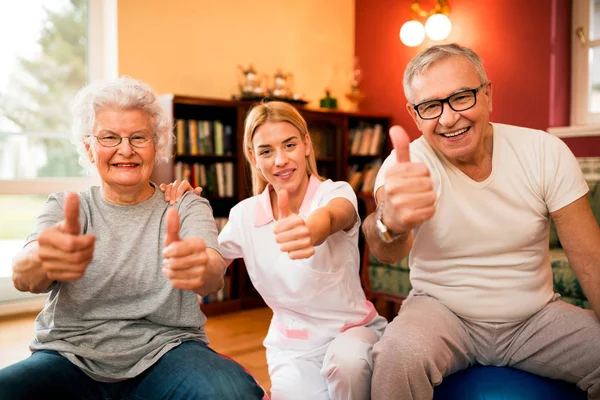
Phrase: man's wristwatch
pixel 384 233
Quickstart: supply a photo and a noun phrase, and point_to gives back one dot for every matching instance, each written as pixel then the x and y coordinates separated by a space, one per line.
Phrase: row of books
pixel 362 179
pixel 367 140
pixel 216 179
pixel 204 137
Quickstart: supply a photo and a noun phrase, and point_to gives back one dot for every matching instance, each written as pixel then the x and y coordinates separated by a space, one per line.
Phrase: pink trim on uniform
pixel 311 190
pixel 264 212
pixel 300 334
pixel 366 320
pixel 265 397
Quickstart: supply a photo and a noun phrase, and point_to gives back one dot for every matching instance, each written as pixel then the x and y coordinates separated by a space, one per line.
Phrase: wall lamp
pixel 437 27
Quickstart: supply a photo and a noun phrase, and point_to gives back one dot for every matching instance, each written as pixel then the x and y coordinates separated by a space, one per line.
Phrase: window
pixel 585 99
pixel 55 47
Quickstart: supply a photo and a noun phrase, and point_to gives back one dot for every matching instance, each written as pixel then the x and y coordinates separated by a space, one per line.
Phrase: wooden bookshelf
pixel 200 121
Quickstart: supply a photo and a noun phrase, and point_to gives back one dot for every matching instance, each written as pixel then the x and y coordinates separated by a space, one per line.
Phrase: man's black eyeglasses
pixel 460 101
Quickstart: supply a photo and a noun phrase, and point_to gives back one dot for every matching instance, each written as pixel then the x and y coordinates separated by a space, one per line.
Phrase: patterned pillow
pixel 563 276
pixel 402 264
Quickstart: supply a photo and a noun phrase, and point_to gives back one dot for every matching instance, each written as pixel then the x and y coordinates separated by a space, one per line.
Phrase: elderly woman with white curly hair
pixel 123 269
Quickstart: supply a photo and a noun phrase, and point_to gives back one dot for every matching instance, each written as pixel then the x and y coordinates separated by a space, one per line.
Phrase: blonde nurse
pixel 298 237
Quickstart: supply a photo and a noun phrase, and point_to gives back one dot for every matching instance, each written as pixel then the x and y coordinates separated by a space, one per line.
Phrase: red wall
pixel 525 46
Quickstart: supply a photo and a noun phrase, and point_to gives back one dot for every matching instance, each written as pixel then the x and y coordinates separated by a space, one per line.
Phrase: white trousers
pixel 339 370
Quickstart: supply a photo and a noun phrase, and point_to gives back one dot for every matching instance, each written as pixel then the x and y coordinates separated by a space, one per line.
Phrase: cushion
pixel 402 264
pixel 564 278
pixel 389 280
pixel 504 383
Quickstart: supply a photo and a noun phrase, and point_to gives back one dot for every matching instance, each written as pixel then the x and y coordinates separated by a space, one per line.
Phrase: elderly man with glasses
pixel 471 201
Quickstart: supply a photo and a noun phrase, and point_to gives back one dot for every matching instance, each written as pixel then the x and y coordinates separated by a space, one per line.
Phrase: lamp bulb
pixel 412 33
pixel 438 27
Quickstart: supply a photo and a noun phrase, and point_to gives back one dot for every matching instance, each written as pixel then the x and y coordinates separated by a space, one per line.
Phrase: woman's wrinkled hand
pixel 185 260
pixel 64 253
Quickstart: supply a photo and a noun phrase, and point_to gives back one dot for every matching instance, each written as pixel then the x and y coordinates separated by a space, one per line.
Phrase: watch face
pixel 383 231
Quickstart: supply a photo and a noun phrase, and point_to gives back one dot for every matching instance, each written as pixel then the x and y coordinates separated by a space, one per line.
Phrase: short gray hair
pixel 422 61
pixel 124 93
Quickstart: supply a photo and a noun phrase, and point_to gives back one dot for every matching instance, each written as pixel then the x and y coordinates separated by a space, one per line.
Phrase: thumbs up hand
pixel 409 197
pixel 185 260
pixel 64 253
pixel 291 231
pixel 71 222
pixel 173 226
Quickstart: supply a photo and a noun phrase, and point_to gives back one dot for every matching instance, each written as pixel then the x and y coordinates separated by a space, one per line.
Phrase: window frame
pixel 582 122
pixel 102 65
pixel 581 52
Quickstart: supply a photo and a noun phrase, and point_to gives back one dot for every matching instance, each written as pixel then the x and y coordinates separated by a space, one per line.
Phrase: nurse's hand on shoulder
pixel 291 231
pixel 64 253
pixel 185 260
pixel 409 197
pixel 174 191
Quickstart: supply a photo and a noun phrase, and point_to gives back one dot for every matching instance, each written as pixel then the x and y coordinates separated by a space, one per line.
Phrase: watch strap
pixel 384 232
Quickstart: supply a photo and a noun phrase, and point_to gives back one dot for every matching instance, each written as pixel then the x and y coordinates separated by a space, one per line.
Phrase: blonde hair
pixel 274 111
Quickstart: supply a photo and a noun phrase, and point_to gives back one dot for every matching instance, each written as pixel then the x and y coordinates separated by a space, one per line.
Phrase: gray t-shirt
pixel 123 314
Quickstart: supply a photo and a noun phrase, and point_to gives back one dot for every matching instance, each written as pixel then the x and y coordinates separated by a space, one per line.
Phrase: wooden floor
pixel 237 335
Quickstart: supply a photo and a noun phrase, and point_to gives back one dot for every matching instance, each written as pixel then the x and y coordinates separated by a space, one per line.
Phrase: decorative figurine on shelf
pixel 355 96
pixel 281 88
pixel 250 83
pixel 328 101
pixel 255 87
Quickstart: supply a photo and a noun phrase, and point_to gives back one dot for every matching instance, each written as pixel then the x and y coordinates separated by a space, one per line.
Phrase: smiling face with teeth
pixel 464 137
pixel 279 152
pixel 124 170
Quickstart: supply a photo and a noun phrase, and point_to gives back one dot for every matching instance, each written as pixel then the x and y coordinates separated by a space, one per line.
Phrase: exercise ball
pixel 503 383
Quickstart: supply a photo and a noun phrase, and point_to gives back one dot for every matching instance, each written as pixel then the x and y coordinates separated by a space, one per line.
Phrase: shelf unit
pixel 333 134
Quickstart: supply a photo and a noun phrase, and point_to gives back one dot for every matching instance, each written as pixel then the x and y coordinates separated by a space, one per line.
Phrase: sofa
pixel 388 284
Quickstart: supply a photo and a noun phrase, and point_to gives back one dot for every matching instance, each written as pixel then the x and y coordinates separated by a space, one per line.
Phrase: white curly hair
pixel 124 93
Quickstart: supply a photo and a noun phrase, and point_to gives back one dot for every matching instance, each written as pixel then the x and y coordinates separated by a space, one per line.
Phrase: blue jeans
pixel 190 371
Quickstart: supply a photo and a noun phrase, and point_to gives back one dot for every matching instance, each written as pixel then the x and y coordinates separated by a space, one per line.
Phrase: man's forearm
pixel 385 252
pixel 28 275
pixel 594 300
pixel 590 283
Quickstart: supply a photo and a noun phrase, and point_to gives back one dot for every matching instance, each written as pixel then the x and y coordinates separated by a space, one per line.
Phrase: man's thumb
pixel 172 226
pixel 401 143
pixel 283 204
pixel 71 208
